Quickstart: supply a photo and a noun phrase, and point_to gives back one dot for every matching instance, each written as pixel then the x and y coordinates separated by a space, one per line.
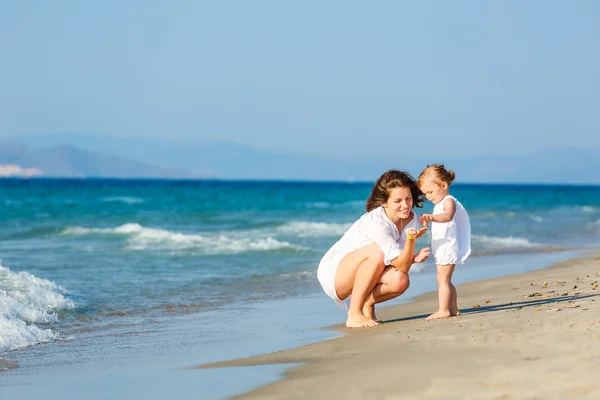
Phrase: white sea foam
pixel 123 199
pixel 318 204
pixel 416 268
pixel 348 204
pixel 483 242
pixel 536 218
pixel 79 230
pixel 142 238
pixel 26 300
pixel 302 275
pixel 488 214
pixel 492 214
pixel 587 209
pixel 313 229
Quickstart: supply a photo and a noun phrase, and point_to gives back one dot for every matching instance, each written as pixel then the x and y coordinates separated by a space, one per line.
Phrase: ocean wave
pixel 302 275
pixel 492 214
pixel 142 238
pixel 26 300
pixel 536 218
pixel 497 243
pixel 587 209
pixel 34 233
pixel 416 268
pixel 313 229
pixel 347 204
pixel 123 199
pixel 318 204
pixel 487 214
pixel 569 209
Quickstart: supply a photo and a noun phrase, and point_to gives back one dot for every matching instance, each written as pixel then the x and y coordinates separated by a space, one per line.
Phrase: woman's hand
pixel 416 233
pixel 422 255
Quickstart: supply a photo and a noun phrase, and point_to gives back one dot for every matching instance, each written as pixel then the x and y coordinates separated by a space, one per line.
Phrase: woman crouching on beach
pixel 370 263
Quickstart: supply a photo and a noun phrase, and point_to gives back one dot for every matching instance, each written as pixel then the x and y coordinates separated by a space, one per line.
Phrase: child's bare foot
pixel 439 315
pixel 454 313
pixel 359 321
pixel 369 312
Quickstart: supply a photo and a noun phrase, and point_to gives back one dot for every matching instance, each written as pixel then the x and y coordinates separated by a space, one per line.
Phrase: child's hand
pixel 422 255
pixel 425 218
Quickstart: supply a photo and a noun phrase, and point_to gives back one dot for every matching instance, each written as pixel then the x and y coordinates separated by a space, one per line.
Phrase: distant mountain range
pixel 69 161
pixel 79 155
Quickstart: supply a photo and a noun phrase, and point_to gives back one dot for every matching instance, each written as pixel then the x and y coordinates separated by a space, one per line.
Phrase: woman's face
pixel 399 203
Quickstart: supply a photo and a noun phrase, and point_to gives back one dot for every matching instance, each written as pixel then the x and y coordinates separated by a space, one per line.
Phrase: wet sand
pixel 526 336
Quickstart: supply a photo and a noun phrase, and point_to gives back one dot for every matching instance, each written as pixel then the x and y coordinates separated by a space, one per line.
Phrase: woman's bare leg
pixel 391 284
pixel 446 291
pixel 357 275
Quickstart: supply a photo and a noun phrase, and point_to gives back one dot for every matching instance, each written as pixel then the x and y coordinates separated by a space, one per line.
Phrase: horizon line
pixel 273 180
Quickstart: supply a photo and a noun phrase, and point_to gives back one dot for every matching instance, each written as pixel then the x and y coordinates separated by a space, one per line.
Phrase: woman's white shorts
pixel 326 276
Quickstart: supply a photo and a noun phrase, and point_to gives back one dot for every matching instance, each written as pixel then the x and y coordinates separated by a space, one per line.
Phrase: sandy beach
pixel 525 336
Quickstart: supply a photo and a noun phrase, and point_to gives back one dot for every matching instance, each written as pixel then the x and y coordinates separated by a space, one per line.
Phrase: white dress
pixel 451 241
pixel 372 227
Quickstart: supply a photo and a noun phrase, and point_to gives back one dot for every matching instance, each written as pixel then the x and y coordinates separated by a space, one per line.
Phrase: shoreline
pixel 503 320
pixel 263 328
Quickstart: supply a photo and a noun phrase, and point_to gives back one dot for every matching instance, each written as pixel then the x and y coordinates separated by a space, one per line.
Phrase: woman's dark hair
pixel 389 181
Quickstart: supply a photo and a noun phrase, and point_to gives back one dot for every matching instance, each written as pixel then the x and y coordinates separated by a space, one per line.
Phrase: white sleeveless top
pixel 451 241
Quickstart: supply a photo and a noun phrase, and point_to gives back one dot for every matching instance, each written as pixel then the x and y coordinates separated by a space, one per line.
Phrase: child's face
pixel 434 190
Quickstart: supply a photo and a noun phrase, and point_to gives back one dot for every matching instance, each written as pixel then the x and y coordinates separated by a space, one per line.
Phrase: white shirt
pixel 375 226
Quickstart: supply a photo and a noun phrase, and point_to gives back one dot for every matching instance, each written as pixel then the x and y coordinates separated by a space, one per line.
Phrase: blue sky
pixel 322 77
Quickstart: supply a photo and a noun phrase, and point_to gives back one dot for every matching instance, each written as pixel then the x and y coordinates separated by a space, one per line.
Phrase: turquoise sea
pixel 99 276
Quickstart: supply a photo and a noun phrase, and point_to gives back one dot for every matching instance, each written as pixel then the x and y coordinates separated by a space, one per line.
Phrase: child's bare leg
pixel 357 275
pixel 445 292
pixel 454 302
pixel 391 284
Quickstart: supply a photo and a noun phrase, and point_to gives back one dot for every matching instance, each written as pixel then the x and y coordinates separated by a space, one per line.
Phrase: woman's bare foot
pixel 439 315
pixel 369 312
pixel 359 321
pixel 454 313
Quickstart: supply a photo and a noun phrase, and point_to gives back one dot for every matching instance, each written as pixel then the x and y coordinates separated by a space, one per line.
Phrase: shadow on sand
pixel 506 306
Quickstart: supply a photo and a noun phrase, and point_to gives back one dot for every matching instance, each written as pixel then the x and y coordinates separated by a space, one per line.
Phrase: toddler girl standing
pixel 450 234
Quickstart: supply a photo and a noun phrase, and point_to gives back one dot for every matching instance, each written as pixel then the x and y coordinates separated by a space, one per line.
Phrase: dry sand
pixel 527 336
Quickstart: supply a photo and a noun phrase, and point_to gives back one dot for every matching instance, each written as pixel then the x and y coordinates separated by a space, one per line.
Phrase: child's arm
pixel 446 216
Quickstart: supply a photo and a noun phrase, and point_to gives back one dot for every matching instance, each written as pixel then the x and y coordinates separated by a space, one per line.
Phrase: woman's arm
pixel 404 261
pixel 385 236
pixel 407 256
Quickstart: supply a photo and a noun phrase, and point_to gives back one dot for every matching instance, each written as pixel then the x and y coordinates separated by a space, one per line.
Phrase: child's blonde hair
pixel 438 171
